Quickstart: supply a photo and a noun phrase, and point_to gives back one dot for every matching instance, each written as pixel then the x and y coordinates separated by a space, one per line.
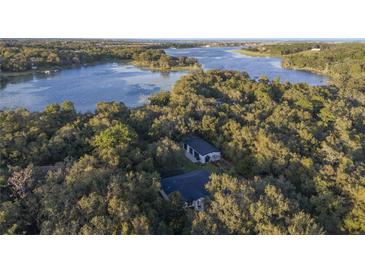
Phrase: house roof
pixel 191 185
pixel 200 145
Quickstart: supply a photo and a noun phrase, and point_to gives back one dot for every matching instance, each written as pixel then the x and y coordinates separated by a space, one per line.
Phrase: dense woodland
pixel 343 62
pixel 19 56
pixel 296 157
pixel 280 49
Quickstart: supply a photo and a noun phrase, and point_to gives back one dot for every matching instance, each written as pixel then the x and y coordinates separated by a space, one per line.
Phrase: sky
pixel 182 19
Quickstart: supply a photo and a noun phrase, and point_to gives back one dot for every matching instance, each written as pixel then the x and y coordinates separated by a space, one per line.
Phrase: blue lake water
pixel 88 85
pixel 226 58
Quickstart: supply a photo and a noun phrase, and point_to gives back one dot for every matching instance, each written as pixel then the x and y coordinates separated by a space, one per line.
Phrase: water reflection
pixel 227 58
pixel 88 85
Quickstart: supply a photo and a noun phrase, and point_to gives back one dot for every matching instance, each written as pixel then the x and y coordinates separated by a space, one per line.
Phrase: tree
pixel 20 181
pixel 167 155
pixel 112 144
pixel 251 207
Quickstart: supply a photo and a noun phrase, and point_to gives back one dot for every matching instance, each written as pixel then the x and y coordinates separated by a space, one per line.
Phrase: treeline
pixel 296 152
pixel 19 55
pixel 3 81
pixel 279 49
pixel 344 63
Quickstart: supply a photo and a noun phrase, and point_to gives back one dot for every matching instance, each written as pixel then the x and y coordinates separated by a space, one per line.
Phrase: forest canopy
pixel 343 62
pixel 295 158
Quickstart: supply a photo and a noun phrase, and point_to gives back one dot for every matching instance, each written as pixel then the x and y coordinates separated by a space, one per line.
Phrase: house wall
pixel 199 204
pixel 191 157
pixel 214 156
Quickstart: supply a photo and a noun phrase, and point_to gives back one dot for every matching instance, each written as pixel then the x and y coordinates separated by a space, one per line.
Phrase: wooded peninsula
pixel 16 56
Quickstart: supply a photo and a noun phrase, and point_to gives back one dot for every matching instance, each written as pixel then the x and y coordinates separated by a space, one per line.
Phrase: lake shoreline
pixel 170 69
pixel 282 63
pixel 126 81
pixel 4 76
pixel 255 54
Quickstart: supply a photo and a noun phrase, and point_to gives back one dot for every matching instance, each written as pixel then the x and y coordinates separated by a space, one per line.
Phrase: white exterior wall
pixel 199 204
pixel 214 156
pixel 190 157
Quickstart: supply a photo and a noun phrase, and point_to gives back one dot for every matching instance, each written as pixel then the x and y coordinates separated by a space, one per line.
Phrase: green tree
pixel 112 144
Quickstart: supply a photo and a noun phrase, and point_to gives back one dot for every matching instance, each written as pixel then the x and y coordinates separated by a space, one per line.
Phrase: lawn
pixel 187 166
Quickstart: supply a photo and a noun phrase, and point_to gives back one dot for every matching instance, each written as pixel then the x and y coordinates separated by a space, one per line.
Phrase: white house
pixel 191 187
pixel 315 49
pixel 198 150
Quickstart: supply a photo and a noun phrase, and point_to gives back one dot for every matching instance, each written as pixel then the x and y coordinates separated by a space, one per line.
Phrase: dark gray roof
pixel 200 145
pixel 191 185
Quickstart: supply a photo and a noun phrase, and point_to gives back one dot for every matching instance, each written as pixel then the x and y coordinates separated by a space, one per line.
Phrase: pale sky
pixel 182 19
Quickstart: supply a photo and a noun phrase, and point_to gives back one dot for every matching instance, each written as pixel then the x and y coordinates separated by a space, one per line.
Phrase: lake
pixel 88 85
pixel 228 59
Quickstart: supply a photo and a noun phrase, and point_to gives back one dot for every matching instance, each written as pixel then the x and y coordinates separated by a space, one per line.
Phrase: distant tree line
pixel 287 48
pixel 343 62
pixel 16 56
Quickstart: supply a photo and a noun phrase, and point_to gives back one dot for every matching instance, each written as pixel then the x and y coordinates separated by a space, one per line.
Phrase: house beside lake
pixel 200 151
pixel 191 187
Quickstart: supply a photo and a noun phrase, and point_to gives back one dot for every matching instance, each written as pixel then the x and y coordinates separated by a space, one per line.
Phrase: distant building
pixel 315 49
pixel 191 187
pixel 198 150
